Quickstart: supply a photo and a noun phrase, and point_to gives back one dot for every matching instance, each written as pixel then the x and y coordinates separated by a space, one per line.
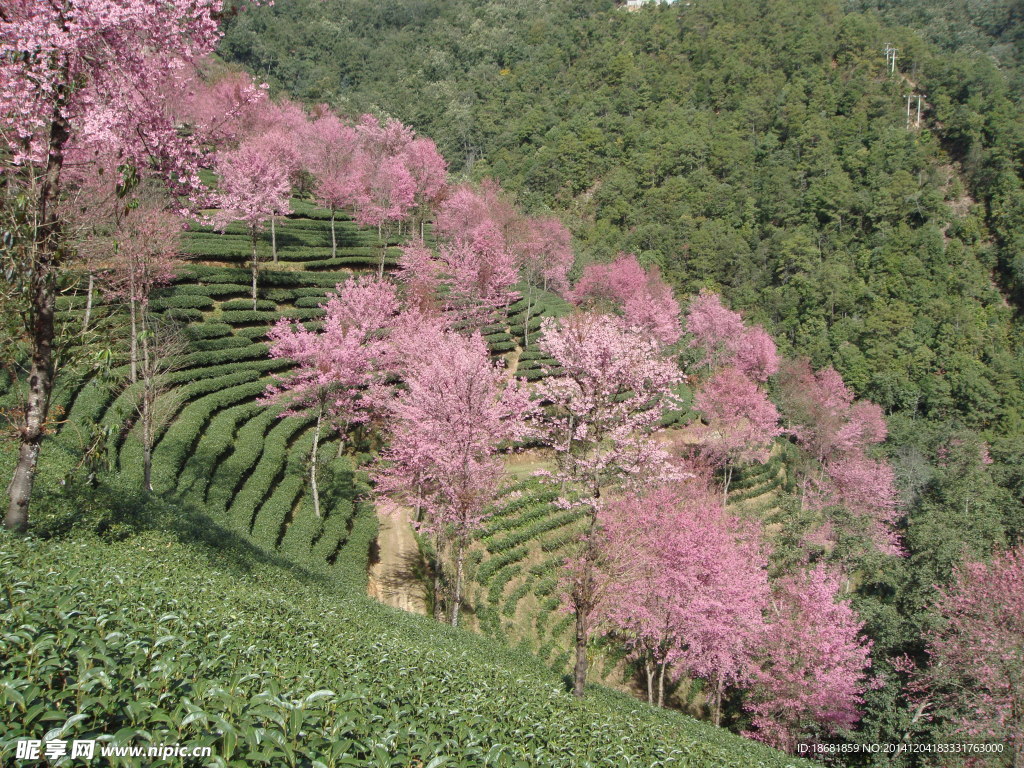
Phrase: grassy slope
pixel 245 557
pixel 207 639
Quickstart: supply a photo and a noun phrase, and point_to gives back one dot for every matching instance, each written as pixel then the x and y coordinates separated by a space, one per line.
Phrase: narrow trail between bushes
pixel 396 575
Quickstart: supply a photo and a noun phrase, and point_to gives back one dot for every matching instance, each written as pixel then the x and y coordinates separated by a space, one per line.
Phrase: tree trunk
pixel 582 636
pixel 45 256
pixel 716 714
pixel 649 671
pixel 661 684
pixel 273 237
pixel 255 264
pixel 526 325
pixel 133 311
pixel 147 468
pixel 334 238
pixel 728 481
pixel 438 593
pixel 148 396
pixel 313 462
pixel 460 553
pixel 380 269
pixel 88 303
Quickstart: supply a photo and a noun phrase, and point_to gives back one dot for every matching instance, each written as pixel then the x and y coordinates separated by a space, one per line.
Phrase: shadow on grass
pixel 116 512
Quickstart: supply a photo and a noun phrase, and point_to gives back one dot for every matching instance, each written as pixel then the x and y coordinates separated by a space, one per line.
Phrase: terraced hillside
pixel 515 562
pixel 218 448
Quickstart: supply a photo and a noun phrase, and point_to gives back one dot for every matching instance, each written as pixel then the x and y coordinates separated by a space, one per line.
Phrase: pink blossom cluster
pixel 98 76
pixel 487 247
pixel 721 338
pixel 838 431
pixel 639 295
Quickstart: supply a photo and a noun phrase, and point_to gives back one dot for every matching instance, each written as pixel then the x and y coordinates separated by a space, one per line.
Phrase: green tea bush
pixel 222 342
pixel 208 330
pixel 181 301
pixel 246 304
pixel 269 469
pixel 184 315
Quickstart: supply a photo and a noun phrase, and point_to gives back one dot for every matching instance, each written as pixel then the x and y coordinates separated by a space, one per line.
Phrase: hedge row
pixel 229 476
pixel 496 585
pixel 182 301
pixel 238 317
pixel 214 447
pixel 180 439
pixel 222 342
pixel 281 496
pixel 246 304
pixel 254 490
pixel 543 525
pixel 493 564
pixel 208 330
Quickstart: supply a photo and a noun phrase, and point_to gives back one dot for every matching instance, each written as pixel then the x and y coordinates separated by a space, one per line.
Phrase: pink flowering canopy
pixel 221 111
pixel 687 582
pixel 740 420
pixel 142 252
pixel 722 338
pixel 389 192
pixel 337 162
pixel 975 675
pixel 612 386
pixel 121 56
pixel 481 218
pixel 339 367
pixel 254 186
pixel 545 253
pixel 641 296
pixel 481 279
pixel 457 407
pixel 428 169
pixel 813 663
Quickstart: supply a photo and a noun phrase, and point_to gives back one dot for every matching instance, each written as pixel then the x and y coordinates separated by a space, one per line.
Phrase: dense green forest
pixel 766 150
pixel 760 148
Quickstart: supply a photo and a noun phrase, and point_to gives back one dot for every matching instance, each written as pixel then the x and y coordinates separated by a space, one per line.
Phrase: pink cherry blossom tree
pixel 614 386
pixel 545 257
pixel 641 296
pixel 88 72
pixel 974 680
pixel 254 188
pixel 339 166
pixel 337 368
pixel 686 586
pixel 740 422
pixel 813 663
pixel 721 338
pixel 222 108
pixel 281 129
pixel 480 217
pixel 143 253
pixel 836 431
pixel 420 275
pixel 448 424
pixel 429 172
pixel 390 193
pixel 481 280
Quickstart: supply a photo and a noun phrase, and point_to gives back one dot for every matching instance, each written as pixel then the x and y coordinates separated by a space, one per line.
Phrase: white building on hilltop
pixel 633 4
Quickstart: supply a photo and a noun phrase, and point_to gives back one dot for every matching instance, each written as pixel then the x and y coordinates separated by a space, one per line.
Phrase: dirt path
pixel 396 576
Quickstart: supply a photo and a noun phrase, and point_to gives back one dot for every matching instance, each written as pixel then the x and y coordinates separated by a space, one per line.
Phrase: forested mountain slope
pixel 761 148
